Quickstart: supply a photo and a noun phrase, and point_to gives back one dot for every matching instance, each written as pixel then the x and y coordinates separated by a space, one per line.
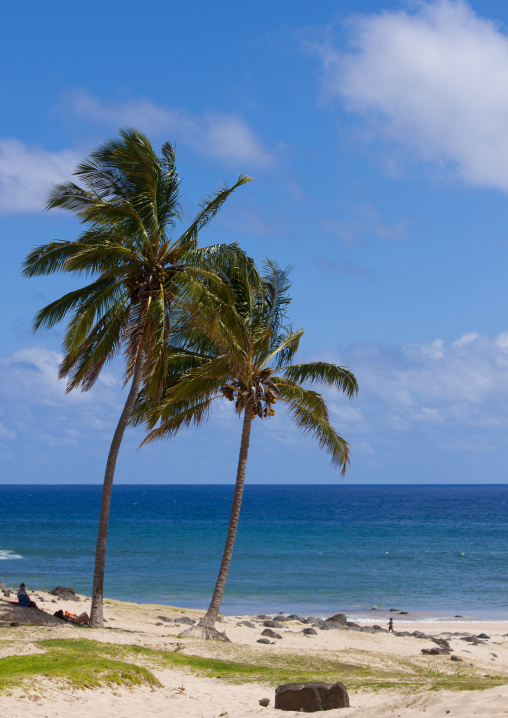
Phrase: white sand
pixel 185 694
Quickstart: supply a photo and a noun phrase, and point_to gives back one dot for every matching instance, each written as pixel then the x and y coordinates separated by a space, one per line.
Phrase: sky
pixel 377 135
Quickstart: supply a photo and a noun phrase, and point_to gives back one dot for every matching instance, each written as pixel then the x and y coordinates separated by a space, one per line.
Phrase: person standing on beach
pixel 390 625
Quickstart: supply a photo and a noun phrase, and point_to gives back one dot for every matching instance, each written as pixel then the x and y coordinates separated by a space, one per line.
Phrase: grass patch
pixel 81 663
pixel 86 663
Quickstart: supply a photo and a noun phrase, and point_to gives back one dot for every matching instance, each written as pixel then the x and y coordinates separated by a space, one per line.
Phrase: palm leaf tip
pixel 337 377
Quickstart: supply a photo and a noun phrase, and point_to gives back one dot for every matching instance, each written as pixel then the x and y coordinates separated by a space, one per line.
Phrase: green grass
pixel 89 664
pixel 81 663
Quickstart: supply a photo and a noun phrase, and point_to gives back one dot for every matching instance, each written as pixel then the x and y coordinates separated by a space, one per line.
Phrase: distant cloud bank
pixel 433 83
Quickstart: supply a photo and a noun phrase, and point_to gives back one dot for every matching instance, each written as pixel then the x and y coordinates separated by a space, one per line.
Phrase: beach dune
pixel 385 674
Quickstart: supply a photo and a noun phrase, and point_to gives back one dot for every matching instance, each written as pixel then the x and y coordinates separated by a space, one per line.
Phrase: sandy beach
pixel 385 674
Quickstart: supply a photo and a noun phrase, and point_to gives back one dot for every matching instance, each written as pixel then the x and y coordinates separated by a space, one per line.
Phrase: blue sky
pixel 377 136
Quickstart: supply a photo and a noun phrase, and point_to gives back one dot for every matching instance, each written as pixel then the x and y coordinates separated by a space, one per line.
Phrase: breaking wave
pixel 5 554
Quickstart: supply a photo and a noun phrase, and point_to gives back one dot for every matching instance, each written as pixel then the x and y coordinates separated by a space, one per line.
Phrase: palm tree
pixel 248 363
pixel 143 276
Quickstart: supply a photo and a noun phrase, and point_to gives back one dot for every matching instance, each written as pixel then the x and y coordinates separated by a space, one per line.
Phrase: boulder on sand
pixel 29 616
pixel 66 594
pixel 338 618
pixel 311 697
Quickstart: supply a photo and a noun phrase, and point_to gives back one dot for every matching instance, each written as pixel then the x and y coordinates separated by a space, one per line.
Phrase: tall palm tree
pixel 143 277
pixel 250 364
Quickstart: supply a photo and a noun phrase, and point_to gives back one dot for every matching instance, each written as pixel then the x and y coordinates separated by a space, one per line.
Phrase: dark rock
pixel 272 624
pixel 30 616
pixel 263 617
pixel 263 640
pixel 455 658
pixel 312 619
pixel 396 610
pixel 324 626
pixel 458 616
pixel 473 640
pixel 3 586
pixel 419 634
pixel 265 702
pixel 249 624
pixel 311 697
pixel 14 624
pixel 62 589
pixel 65 594
pixel 351 624
pixel 270 633
pixel 6 593
pixel 166 620
pixel 159 623
pixel 185 619
pixel 294 617
pixel 403 613
pixel 309 632
pixel 378 629
pixel 494 654
pixel 435 651
pixel 482 635
pixel 402 633
pixel 334 624
pixel 338 618
pixel 442 642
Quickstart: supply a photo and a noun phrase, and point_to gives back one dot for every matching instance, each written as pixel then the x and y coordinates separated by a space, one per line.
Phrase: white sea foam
pixel 5 555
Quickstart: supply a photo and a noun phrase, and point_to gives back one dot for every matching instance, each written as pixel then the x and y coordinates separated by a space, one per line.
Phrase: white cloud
pixel 462 384
pixel 29 376
pixel 223 136
pixel 27 174
pixel 434 82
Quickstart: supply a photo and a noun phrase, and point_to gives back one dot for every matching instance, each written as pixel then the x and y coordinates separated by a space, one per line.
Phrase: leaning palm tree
pixel 143 278
pixel 249 363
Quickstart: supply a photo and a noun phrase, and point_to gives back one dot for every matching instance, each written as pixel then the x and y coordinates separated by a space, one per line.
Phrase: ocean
pixel 435 551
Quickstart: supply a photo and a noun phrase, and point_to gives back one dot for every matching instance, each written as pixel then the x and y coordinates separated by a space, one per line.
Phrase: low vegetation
pixel 83 663
pixel 79 663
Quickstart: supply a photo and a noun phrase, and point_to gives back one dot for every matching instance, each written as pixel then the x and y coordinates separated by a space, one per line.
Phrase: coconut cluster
pixel 259 397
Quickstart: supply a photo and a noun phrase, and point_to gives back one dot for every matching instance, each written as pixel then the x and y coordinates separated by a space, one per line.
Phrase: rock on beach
pixel 311 697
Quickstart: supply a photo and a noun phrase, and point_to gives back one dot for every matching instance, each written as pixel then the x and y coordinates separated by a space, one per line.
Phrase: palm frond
pixel 210 206
pixel 197 414
pixel 311 423
pixel 56 311
pixel 338 377
pixel 48 258
pixel 289 343
pixel 103 343
pixel 311 400
pixel 69 196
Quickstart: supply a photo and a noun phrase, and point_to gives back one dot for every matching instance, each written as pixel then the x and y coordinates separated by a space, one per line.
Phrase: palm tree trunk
pixel 96 613
pixel 210 617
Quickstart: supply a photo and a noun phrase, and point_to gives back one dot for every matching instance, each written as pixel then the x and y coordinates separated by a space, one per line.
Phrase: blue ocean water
pixel 442 550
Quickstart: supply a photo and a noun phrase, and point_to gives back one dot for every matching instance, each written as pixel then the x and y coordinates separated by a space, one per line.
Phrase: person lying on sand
pixel 24 598
pixel 73 618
